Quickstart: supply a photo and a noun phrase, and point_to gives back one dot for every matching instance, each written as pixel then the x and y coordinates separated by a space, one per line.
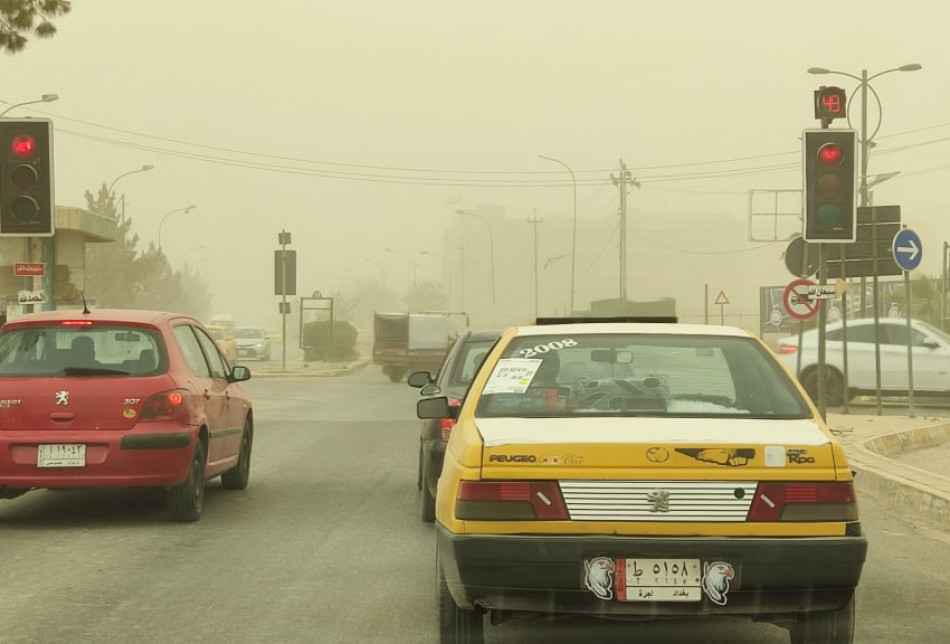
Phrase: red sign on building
pixel 27 270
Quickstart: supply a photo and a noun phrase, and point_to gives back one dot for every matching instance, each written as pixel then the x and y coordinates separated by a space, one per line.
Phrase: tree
pixel 19 17
pixel 118 275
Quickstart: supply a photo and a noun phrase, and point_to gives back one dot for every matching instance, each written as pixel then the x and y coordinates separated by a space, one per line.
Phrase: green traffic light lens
pixel 829 216
pixel 25 209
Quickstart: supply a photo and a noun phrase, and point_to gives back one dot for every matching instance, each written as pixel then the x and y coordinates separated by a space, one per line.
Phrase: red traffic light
pixel 23 145
pixel 830 154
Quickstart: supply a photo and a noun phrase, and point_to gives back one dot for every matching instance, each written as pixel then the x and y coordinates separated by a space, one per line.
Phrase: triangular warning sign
pixel 721 298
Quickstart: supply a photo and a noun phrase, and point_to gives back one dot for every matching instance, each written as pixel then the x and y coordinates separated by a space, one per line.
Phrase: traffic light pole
pixel 865 150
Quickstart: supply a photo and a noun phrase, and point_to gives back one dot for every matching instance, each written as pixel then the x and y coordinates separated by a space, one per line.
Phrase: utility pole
pixel 534 221
pixel 621 182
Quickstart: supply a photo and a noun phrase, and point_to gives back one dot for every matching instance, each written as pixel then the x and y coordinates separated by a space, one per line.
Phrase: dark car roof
pixel 140 316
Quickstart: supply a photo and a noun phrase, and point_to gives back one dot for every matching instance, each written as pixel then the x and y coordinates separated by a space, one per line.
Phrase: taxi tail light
pixel 817 502
pixel 446 424
pixel 510 501
pixel 787 349
pixel 166 405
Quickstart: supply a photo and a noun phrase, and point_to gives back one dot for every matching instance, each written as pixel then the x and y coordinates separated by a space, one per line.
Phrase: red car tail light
pixel 166 405
pixel 77 322
pixel 787 349
pixel 510 501
pixel 446 424
pixel 834 501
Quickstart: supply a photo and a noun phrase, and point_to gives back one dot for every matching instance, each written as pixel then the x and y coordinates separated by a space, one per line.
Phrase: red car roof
pixel 139 316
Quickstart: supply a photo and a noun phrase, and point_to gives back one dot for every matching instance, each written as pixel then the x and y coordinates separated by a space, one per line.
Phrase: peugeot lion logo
pixel 659 501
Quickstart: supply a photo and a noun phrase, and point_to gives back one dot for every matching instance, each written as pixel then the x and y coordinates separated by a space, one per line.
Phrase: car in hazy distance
pixel 454 376
pixel 252 342
pixel 121 398
pixel 225 339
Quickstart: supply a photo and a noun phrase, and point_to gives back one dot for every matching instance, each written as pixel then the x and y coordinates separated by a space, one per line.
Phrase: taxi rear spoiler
pixel 643 319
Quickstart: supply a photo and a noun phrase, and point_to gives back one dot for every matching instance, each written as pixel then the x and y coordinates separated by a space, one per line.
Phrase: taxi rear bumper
pixel 774 577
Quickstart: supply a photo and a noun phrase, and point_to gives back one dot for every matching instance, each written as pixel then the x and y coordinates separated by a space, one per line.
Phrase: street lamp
pixel 446 273
pixel 45 98
pixel 144 168
pixel 166 216
pixel 408 276
pixel 491 247
pixel 574 235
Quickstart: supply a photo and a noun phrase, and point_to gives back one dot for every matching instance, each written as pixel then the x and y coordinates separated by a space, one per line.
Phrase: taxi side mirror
pixel 436 408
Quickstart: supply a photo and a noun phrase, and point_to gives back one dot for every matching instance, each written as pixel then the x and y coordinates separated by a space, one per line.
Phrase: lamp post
pixel 866 140
pixel 45 98
pixel 408 277
pixel 574 234
pixel 491 248
pixel 109 193
pixel 166 216
pixel 446 274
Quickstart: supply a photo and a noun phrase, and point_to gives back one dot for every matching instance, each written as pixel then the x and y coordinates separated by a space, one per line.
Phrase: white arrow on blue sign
pixel 907 249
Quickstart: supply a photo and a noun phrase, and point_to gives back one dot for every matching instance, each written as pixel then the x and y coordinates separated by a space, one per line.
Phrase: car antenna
pixel 85 307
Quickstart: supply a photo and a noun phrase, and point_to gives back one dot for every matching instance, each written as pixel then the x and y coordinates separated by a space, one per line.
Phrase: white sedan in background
pixel 931 358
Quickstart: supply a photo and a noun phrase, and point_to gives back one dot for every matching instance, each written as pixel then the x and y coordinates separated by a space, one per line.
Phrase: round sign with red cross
pixel 797 302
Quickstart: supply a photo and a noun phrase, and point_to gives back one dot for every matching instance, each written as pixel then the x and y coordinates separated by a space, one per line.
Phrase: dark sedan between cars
pixel 455 374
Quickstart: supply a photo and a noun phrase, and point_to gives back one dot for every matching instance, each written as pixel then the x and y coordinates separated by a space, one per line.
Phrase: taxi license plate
pixel 659 580
pixel 61 456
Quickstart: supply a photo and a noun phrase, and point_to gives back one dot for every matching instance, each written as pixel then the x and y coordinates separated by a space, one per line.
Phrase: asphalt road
pixel 326 546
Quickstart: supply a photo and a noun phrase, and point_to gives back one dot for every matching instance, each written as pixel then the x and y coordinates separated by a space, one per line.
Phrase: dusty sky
pixel 361 125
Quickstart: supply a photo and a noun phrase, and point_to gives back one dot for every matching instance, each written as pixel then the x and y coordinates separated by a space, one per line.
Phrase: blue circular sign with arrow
pixel 907 249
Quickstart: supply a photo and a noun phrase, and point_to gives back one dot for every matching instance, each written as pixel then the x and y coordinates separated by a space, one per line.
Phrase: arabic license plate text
pixel 664 580
pixel 61 456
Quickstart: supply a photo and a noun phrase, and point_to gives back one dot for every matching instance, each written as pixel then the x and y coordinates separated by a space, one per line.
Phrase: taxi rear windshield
pixel 639 375
pixel 80 351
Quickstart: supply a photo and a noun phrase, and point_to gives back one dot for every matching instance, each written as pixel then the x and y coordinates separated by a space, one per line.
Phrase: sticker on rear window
pixel 512 376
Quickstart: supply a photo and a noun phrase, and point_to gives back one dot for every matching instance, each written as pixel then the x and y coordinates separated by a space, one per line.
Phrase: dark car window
pixel 194 356
pixel 58 350
pixel 470 358
pixel 639 374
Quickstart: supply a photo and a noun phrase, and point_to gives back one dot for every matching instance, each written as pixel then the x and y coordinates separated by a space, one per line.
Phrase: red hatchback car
pixel 121 398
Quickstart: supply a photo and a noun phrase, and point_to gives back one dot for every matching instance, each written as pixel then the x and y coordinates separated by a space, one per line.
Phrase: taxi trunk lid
pixel 655 448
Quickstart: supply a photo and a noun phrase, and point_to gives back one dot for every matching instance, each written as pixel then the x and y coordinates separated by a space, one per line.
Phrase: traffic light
pixel 828 197
pixel 26 178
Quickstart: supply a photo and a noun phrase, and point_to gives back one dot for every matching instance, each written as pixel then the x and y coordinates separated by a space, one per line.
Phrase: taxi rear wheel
pixel 457 625
pixel 825 627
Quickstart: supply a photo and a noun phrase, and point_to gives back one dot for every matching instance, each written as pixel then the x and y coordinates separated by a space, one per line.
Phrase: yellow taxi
pixel 225 339
pixel 642 470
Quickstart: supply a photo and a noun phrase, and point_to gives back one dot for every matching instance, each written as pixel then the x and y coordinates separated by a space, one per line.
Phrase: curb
pixel 915 493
